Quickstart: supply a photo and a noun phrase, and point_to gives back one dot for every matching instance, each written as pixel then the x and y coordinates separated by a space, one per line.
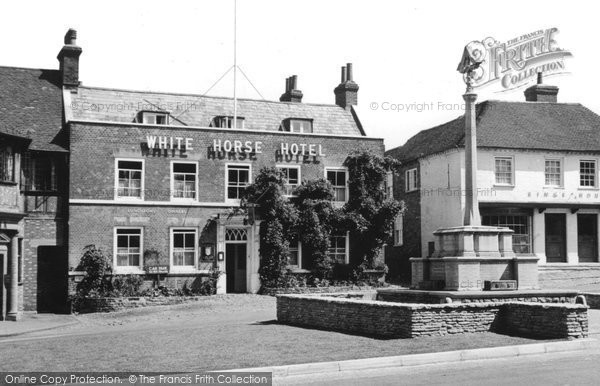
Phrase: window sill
pixel 8 183
pixel 129 271
pixel 553 187
pixel 186 270
pixel 132 200
pixel 587 188
pixel 504 185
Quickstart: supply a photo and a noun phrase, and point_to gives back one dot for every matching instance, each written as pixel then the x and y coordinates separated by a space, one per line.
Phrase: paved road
pixel 574 368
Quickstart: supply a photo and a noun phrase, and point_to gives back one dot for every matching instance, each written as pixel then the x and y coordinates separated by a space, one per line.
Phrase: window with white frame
pixel 155 118
pixel 184 247
pixel 504 170
pixel 128 247
pixel 410 180
pixel 339 182
pixel 238 178
pixel 298 125
pixel 338 249
pixel 183 177
pixel 129 178
pixel 291 174
pixel 226 122
pixel 295 255
pixel 399 230
pixel 553 172
pixel 587 173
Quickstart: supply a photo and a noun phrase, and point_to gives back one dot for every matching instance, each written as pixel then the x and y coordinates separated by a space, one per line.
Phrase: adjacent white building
pixel 537 174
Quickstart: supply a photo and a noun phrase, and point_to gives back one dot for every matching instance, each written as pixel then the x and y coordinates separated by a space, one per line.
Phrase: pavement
pixel 36 323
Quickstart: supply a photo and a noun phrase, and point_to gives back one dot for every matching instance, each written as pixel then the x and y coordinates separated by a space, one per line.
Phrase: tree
pixel 369 215
pixel 315 222
pixel 278 217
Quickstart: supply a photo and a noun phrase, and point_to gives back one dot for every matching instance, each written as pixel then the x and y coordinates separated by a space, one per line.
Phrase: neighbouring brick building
pixel 537 174
pixel 151 177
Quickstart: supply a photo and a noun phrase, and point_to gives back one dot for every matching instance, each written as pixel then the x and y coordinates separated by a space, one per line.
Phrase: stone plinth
pixel 468 256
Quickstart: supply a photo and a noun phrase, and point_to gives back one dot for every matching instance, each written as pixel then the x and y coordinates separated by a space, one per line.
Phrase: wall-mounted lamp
pixel 221 256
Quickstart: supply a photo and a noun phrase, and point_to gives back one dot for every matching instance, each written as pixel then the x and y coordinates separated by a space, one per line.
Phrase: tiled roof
pixel 513 125
pixel 99 104
pixel 31 107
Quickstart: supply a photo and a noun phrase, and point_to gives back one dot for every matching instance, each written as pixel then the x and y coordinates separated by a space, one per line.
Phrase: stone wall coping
pixel 484 294
pixel 475 258
pixel 421 306
pixel 472 229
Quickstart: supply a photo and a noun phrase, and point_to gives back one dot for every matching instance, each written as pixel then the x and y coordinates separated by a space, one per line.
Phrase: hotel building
pixel 152 178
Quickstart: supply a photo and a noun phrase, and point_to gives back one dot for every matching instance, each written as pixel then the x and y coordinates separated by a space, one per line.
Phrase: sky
pixel 403 53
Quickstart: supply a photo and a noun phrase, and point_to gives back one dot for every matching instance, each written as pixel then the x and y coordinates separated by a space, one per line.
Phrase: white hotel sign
pixel 236 146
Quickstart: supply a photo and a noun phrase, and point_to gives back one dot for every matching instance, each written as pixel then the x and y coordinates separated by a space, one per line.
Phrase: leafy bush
pixel 97 267
pixel 128 285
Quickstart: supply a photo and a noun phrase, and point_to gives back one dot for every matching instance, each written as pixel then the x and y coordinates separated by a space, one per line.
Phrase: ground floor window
pixel 338 249
pixel 128 243
pixel 519 223
pixel 295 256
pixel 184 247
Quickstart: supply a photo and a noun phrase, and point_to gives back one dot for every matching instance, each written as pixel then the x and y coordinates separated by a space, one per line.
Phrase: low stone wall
pixel 398 320
pixel 439 297
pixel 118 304
pixel 544 320
pixel 314 290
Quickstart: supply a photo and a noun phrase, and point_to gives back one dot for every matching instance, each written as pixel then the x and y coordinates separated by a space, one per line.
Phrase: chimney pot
pixel 294 82
pixel 68 57
pixel 349 69
pixel 291 94
pixel 346 93
pixel 343 74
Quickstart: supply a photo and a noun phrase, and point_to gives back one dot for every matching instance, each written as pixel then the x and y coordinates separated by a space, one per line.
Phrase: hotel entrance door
pixel 235 266
pixel 587 238
pixel 556 251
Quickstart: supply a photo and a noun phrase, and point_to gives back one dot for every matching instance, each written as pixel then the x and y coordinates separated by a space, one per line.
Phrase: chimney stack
pixel 346 93
pixel 68 57
pixel 291 94
pixel 541 92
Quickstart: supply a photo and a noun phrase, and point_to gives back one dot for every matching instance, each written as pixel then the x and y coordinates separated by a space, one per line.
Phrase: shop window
pixel 520 224
pixel 298 125
pixel 7 158
pixel 553 172
pixel 184 247
pixel 184 181
pixel 128 250
pixel 504 170
pixel 587 173
pixel 291 174
pixel 339 183
pixel 40 172
pixel 295 256
pixel 130 178
pixel 399 230
pixel 155 118
pixel 410 180
pixel 238 178
pixel 338 249
pixel 226 122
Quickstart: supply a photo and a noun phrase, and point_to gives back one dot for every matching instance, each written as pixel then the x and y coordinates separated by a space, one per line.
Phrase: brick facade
pixel 397 257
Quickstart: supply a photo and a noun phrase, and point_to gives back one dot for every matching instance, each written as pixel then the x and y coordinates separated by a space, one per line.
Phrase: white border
pixel 130 269
pixel 298 167
pixel 143 184
pixel 184 268
pixel 172 177
pixel 513 168
pixel 229 201
pixel 339 168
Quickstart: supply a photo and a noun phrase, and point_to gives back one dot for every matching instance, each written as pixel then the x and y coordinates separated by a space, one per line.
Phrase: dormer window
pixel 154 118
pixel 226 122
pixel 295 125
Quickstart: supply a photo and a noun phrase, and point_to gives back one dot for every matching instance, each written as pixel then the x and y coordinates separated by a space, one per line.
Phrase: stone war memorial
pixel 473 282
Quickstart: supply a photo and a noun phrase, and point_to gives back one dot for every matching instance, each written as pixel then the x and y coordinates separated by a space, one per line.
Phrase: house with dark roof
pixel 537 174
pixel 152 178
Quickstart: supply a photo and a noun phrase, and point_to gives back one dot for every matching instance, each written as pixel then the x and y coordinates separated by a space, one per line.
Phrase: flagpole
pixel 234 125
